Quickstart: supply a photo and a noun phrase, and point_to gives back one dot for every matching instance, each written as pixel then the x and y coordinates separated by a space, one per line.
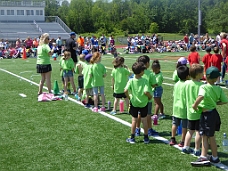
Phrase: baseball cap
pixel 72 33
pixel 85 52
pixel 208 49
pixel 88 57
pixel 213 72
pixel 182 60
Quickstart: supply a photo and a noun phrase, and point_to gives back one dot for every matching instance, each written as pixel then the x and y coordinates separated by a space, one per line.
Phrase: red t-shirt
pixel 206 60
pixel 185 39
pixel 216 60
pixel 193 58
pixel 226 42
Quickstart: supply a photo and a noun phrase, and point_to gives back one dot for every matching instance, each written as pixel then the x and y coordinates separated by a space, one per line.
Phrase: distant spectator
pixel 71 46
pixel 28 43
pixel 59 44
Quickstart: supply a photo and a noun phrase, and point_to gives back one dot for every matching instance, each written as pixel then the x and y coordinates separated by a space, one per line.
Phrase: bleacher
pixel 11 31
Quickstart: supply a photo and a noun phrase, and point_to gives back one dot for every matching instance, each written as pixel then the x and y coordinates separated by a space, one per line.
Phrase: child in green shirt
pixel 139 88
pixel 158 90
pixel 181 61
pixel 120 76
pixel 152 83
pixel 98 72
pixel 192 86
pixel 209 96
pixel 179 106
pixel 67 67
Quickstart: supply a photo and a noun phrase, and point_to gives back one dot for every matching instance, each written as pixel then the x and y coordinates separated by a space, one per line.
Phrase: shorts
pixel 177 121
pixel 67 73
pixel 95 90
pixel 158 91
pixel 149 111
pixel 209 123
pixel 119 95
pixel 135 110
pixel 89 92
pixel 80 81
pixel 43 68
pixel 193 125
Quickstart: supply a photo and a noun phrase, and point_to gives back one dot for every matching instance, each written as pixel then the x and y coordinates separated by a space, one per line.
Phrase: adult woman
pixel 43 62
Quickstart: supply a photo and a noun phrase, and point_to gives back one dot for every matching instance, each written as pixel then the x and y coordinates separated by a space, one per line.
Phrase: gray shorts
pixel 177 121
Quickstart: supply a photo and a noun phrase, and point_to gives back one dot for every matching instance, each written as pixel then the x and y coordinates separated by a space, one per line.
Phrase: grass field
pixel 63 135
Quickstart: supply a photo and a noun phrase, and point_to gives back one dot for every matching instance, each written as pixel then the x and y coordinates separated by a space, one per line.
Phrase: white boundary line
pixel 164 140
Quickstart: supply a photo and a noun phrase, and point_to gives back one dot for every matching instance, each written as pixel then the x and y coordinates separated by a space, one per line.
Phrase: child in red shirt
pixel 193 57
pixel 216 60
pixel 207 59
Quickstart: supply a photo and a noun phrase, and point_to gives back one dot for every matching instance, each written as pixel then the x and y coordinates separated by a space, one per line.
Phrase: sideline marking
pixel 220 165
pixel 22 95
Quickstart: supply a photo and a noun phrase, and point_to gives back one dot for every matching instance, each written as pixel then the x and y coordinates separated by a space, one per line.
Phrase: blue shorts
pixel 158 91
pixel 67 73
pixel 95 90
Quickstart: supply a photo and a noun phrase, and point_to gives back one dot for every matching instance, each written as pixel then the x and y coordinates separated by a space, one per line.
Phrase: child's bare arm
pixel 197 102
pixel 113 81
pixel 154 85
pixel 148 95
pixel 127 94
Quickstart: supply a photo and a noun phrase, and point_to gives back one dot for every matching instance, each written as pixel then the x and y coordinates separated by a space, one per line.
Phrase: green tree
pixel 154 28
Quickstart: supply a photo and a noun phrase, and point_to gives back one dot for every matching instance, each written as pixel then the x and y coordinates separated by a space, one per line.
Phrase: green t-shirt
pixel 212 94
pixel 138 87
pixel 159 78
pixel 67 64
pixel 120 76
pixel 42 54
pixel 98 71
pixel 179 100
pixel 191 94
pixel 151 79
pixel 79 63
pixel 86 75
pixel 175 76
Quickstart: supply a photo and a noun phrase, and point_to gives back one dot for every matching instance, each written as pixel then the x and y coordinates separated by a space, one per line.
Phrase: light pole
pixel 199 18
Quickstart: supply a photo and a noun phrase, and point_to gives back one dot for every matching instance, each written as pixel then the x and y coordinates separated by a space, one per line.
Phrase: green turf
pixel 63 135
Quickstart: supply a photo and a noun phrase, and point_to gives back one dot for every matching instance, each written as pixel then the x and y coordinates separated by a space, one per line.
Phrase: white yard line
pixel 221 166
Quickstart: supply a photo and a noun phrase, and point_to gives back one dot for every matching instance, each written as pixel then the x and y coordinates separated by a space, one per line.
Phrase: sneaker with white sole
pixel 201 161
pixel 130 140
pixel 102 109
pixel 113 112
pixel 214 161
pixel 95 109
pixel 185 151
pixel 197 153
pixel 146 140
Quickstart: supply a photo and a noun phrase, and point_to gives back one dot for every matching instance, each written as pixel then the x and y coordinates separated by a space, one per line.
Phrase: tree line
pixel 141 16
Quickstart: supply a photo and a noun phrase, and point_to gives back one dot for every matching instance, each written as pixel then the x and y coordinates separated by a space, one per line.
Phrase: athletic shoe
pixel 201 162
pixel 214 161
pixel 185 151
pixel 152 132
pixel 181 144
pixel 197 153
pixel 103 109
pixel 172 141
pixel 87 106
pixel 113 112
pixel 137 132
pixel 95 109
pixel 130 140
pixel 146 140
pixel 161 116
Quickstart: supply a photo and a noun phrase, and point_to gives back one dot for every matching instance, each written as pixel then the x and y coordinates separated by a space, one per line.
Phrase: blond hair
pixel 67 55
pixel 43 37
pixel 223 35
pixel 95 58
pixel 195 69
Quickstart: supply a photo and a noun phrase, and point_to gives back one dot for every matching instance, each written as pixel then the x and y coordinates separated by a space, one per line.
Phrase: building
pixel 21 11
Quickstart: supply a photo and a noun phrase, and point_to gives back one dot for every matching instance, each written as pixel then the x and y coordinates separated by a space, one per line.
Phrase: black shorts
pixel 193 125
pixel 80 81
pixel 41 68
pixel 209 123
pixel 135 110
pixel 119 95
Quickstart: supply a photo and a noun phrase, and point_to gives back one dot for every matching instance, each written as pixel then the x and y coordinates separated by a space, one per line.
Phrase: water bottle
pixel 225 143
pixel 179 130
pixel 109 105
pixel 155 119
pixel 66 97
pixel 121 106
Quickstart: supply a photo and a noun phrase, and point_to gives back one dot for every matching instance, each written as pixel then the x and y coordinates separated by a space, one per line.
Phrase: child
pixel 119 81
pixel 148 75
pixel 139 88
pixel 67 67
pixel 181 61
pixel 209 96
pixel 87 79
pixel 158 90
pixel 179 105
pixel 196 72
pixel 78 70
pixel 207 60
pixel 98 72
pixel 216 60
pixel 193 57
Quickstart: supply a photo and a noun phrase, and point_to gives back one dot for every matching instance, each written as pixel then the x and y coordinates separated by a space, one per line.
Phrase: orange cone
pixel 24 54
